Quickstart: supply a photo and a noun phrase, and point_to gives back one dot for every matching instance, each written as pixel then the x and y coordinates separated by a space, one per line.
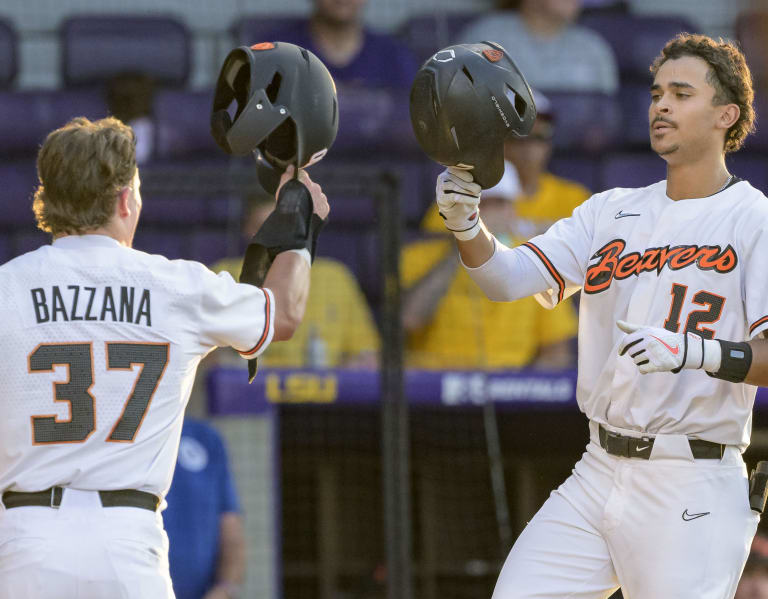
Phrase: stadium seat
pixel 359 251
pixel 29 116
pixel 632 169
pixel 170 244
pixel 425 34
pixel 19 181
pixel 252 30
pixel 211 245
pixel 586 122
pixel 750 166
pixel 581 170
pixel 6 248
pixel 182 128
pixel 752 32
pixel 636 40
pixel 758 141
pixel 8 53
pixel 168 210
pixel 635 99
pixel 95 48
pixel 29 241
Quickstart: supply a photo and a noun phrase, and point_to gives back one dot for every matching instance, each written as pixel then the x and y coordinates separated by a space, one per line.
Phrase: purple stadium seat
pixel 752 32
pixel 6 251
pixel 170 244
pixel 168 210
pixel 758 141
pixel 252 30
pixel 182 126
pixel 636 40
pixel 752 167
pixel 30 240
pixel 18 181
pixel 210 246
pixel 586 122
pixel 635 99
pixel 95 48
pixel 223 211
pixel 632 170
pixel 29 116
pixel 8 54
pixel 581 170
pixel 373 120
pixel 359 251
pixel 426 34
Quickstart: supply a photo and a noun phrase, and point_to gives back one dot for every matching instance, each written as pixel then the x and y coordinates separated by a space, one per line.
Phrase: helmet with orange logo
pixel 278 101
pixel 465 100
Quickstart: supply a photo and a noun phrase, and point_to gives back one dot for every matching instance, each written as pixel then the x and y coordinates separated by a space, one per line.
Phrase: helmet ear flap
pixel 220 125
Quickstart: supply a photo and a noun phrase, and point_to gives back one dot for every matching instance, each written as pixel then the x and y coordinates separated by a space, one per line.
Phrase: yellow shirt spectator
pixel 337 329
pixel 467 330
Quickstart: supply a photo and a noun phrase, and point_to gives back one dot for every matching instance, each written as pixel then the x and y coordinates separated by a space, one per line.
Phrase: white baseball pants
pixel 83 551
pixel 669 527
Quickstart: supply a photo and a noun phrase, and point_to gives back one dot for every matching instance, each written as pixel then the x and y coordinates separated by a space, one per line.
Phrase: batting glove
pixel 458 197
pixel 659 350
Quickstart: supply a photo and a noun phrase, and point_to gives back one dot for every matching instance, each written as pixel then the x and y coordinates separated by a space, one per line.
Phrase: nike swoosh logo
pixel 688 517
pixel 643 448
pixel 674 350
pixel 622 214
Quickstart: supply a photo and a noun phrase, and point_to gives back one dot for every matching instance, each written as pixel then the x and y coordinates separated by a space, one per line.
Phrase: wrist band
pixel 735 361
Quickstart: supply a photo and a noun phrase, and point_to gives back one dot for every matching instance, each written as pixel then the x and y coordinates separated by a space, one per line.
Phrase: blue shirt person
pixel 204 526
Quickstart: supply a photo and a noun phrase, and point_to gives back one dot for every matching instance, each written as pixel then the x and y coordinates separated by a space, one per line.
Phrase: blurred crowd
pixel 587 61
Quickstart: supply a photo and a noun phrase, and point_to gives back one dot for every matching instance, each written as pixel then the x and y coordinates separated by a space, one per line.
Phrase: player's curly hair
pixel 81 167
pixel 728 74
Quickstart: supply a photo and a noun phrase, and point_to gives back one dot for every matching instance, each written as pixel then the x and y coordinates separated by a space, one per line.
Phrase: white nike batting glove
pixel 659 350
pixel 458 197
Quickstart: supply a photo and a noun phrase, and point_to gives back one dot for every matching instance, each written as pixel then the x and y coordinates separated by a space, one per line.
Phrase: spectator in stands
pixel 205 529
pixel 543 198
pixel 551 49
pixel 754 579
pixel 440 300
pixel 129 98
pixel 338 329
pixel 354 54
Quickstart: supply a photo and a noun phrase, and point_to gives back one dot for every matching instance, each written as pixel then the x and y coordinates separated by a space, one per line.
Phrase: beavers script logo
pixel 613 265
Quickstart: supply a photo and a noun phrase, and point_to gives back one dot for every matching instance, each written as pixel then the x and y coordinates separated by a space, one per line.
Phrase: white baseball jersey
pixel 100 346
pixel 697 264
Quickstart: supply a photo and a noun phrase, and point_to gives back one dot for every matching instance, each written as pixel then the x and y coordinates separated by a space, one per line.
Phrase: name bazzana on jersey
pixel 613 265
pixel 92 304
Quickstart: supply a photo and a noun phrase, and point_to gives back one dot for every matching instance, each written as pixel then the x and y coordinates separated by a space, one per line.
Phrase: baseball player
pixel 101 343
pixel 673 317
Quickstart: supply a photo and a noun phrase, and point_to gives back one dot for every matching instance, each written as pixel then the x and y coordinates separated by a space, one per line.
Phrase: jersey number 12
pixel 713 309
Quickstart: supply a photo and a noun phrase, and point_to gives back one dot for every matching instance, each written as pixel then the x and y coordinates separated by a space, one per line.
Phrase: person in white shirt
pixel 100 347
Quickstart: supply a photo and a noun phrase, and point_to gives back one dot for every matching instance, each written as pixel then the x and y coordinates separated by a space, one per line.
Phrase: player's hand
pixel 458 197
pixel 319 199
pixel 659 350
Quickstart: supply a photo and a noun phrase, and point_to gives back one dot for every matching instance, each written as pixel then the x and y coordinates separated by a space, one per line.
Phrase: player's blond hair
pixel 728 74
pixel 82 166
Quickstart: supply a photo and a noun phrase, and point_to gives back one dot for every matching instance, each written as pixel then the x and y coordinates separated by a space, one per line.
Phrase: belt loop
pixel 56 494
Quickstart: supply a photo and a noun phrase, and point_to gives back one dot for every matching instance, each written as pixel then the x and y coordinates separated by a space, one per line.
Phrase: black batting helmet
pixel 464 101
pixel 287 111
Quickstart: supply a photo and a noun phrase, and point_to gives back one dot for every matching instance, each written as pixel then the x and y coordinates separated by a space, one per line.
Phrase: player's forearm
pixel 288 279
pixel 758 371
pixel 476 251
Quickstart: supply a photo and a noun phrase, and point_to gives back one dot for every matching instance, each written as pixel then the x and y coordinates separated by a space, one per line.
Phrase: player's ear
pixel 123 207
pixel 729 114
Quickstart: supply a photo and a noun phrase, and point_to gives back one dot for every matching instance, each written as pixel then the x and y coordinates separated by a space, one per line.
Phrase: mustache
pixel 661 119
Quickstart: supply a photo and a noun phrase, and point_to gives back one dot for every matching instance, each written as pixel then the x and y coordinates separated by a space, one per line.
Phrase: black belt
pixel 640 447
pixel 52 498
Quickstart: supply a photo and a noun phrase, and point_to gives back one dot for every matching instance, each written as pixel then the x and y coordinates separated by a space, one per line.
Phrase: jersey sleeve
pixel 754 281
pixel 562 253
pixel 236 315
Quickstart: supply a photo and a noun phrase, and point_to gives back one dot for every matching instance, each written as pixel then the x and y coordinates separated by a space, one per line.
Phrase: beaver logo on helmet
pixel 465 100
pixel 286 108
